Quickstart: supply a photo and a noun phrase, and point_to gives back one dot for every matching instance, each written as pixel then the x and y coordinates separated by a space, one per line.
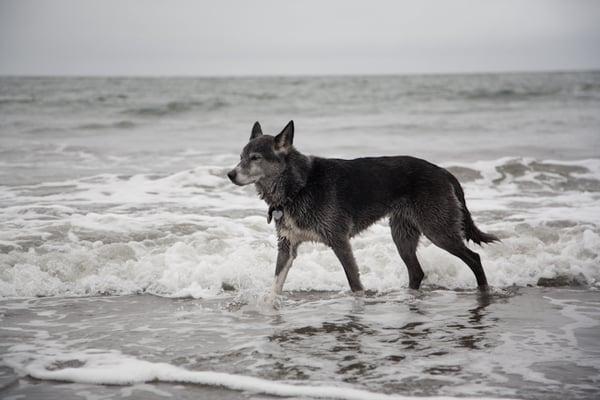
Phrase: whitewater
pixel 128 258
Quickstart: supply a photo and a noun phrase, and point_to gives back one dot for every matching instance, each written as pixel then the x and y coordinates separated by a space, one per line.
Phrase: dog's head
pixel 264 157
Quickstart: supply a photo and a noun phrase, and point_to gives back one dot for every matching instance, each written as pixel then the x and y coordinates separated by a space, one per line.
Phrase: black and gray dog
pixel 330 200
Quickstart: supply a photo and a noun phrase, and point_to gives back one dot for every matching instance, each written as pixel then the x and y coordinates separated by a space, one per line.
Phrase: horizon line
pixel 302 75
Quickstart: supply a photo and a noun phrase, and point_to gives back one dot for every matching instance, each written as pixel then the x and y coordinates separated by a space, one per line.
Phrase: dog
pixel 330 200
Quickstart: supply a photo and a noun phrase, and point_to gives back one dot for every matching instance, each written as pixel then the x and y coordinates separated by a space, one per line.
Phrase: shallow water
pixel 115 188
pixel 521 343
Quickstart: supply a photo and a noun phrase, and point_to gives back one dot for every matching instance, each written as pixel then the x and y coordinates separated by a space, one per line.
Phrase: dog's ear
pixel 256 131
pixel 286 138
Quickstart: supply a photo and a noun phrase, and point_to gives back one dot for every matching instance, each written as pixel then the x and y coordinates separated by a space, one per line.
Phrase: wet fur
pixel 331 200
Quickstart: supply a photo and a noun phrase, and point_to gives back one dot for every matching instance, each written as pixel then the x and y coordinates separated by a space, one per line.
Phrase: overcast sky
pixel 265 37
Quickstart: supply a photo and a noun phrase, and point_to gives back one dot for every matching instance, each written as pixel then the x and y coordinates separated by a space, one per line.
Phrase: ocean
pixel 130 266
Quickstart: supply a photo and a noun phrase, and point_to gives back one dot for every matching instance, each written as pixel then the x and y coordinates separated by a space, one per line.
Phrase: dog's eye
pixel 254 157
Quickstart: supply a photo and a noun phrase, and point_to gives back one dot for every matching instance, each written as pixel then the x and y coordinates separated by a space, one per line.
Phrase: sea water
pixel 113 191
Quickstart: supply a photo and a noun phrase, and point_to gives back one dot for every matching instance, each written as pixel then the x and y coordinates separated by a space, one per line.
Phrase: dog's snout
pixel 231 174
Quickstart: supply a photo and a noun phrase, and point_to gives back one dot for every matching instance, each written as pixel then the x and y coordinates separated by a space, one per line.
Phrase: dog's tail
pixel 471 231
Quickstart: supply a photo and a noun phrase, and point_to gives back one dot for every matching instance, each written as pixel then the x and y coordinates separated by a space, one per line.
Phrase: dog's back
pixel 354 194
pixel 365 190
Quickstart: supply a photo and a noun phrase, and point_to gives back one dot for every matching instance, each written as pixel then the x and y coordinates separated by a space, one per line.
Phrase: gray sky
pixel 260 37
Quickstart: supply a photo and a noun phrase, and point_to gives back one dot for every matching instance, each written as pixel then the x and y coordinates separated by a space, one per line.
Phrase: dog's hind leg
pixel 473 260
pixel 440 218
pixel 456 246
pixel 285 257
pixel 406 237
pixel 343 251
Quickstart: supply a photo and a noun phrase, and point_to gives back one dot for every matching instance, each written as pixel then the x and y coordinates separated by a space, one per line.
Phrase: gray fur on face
pixel 331 200
pixel 263 159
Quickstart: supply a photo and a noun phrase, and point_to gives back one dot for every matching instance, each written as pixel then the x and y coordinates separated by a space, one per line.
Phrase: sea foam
pixel 114 368
pixel 192 233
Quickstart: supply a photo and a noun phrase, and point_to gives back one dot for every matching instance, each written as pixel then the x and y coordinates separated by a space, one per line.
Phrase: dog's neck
pixel 282 190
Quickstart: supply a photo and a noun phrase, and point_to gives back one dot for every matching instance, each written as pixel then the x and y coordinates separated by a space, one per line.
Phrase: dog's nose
pixel 231 175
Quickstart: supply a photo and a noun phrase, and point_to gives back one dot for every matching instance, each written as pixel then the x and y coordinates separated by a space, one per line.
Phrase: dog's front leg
pixel 286 253
pixel 343 251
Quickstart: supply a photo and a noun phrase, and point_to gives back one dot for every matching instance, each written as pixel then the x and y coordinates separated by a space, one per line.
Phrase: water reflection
pixel 432 343
pixel 368 336
pixel 471 330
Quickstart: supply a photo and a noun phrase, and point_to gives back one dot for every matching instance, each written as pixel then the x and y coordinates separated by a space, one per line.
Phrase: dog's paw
pixel 483 288
pixel 273 300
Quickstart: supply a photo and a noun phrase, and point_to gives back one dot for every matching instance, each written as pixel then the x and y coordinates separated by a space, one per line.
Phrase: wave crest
pixel 192 233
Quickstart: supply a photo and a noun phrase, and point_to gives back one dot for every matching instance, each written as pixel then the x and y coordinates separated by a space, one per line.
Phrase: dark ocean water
pixel 74 126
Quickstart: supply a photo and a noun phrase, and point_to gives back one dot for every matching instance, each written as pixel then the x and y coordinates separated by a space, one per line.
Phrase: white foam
pixel 114 368
pixel 188 233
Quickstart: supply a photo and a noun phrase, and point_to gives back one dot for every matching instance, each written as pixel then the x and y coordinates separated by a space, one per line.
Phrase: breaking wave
pixel 194 234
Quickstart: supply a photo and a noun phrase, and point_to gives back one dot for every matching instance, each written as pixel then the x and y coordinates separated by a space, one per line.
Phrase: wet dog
pixel 330 200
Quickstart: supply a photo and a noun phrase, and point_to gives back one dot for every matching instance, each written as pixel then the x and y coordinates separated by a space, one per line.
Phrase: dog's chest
pixel 288 227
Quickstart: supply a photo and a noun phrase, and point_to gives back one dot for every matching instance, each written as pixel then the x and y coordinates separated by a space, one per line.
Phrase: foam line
pixel 191 233
pixel 119 370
